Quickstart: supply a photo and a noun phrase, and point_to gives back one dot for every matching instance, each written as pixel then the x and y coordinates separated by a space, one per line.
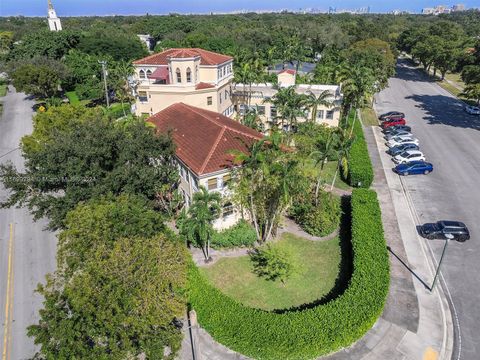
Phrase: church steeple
pixel 54 22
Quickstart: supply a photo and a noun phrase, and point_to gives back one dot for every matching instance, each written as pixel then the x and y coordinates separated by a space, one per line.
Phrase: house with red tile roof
pixel 193 76
pixel 204 140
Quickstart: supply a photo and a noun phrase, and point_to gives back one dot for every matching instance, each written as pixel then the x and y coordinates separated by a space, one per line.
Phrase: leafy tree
pixel 116 45
pixel 197 224
pixel 38 80
pixel 45 43
pixel 472 91
pixel 6 41
pixel 56 119
pixel 273 263
pixel 101 222
pixel 122 304
pixel 86 160
pixel 85 75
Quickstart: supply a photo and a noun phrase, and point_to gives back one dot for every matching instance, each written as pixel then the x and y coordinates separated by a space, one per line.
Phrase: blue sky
pixel 111 7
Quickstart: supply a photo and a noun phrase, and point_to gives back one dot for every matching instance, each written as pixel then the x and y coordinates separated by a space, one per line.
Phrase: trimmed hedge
pixel 309 333
pixel 241 234
pixel 360 171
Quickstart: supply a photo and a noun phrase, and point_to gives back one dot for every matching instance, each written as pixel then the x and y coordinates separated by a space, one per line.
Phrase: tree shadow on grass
pixel 346 262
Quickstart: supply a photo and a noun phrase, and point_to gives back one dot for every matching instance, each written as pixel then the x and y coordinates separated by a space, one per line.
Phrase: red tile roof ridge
pixel 212 150
pixel 195 110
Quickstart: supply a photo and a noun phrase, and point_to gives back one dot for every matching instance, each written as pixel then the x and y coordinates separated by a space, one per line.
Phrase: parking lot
pixel 450 140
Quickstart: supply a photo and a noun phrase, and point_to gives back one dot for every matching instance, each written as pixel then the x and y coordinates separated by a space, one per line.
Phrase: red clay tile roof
pixel 288 71
pixel 203 85
pixel 203 138
pixel 206 57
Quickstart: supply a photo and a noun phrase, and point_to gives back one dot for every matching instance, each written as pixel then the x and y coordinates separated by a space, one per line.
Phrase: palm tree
pixel 313 101
pixel 345 142
pixel 358 85
pixel 122 71
pixel 198 226
pixel 325 150
pixel 245 76
pixel 289 105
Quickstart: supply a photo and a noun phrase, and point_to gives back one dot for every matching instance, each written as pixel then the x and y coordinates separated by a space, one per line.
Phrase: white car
pixel 397 133
pixel 398 140
pixel 472 110
pixel 409 155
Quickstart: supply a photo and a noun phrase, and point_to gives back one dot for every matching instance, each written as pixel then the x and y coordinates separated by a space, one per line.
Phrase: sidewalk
pixel 416 323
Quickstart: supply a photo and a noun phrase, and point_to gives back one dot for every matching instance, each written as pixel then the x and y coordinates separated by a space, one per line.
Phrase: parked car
pixel 397 133
pixel 391 115
pixel 401 148
pixel 396 128
pixel 440 229
pixel 414 168
pixel 472 110
pixel 408 156
pixel 398 140
pixel 393 122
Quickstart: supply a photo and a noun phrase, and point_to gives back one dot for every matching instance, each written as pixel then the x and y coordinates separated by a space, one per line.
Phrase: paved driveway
pixel 27 252
pixel 450 139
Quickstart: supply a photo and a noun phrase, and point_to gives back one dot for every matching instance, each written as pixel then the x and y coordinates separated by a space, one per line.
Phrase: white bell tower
pixel 53 21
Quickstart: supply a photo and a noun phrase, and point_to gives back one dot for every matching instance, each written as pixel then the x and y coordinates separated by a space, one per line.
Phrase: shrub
pixel 315 331
pixel 360 171
pixel 318 220
pixel 241 234
pixel 272 262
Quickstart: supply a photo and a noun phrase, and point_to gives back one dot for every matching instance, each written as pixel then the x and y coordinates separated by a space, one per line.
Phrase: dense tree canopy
pixel 123 302
pixel 85 160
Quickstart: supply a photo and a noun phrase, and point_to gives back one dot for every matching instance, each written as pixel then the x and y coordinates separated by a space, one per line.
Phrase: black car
pixel 392 115
pixel 390 129
pixel 401 148
pixel 438 230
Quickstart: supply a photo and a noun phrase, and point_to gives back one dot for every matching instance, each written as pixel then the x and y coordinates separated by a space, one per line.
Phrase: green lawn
pixel 3 90
pixel 369 118
pixel 328 173
pixel 318 266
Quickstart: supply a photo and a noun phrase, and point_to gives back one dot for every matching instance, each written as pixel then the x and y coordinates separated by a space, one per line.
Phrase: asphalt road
pixel 27 252
pixel 450 139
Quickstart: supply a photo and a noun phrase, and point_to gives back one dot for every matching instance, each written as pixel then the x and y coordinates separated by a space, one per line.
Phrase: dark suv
pixel 391 115
pixel 438 230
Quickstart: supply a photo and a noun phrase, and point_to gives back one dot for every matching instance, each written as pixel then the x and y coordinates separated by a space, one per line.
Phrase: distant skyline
pixel 141 7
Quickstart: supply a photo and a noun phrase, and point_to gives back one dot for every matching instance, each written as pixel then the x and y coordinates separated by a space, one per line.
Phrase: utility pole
pixel 448 238
pixel 104 72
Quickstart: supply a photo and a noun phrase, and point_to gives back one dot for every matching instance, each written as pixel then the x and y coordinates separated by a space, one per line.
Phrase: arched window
pixel 149 72
pixel 179 75
pixel 189 75
pixel 142 74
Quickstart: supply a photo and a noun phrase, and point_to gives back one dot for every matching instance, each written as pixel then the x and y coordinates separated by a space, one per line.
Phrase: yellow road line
pixel 8 299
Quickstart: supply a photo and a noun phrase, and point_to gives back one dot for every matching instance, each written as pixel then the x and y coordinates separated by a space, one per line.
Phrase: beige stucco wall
pixel 188 188
pixel 285 79
pixel 266 118
pixel 161 96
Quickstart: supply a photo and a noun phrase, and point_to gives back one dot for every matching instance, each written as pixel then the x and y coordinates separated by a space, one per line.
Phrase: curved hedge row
pixel 306 334
pixel 360 171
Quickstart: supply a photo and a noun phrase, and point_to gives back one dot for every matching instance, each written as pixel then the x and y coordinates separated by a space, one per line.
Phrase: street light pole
pixel 104 72
pixel 448 238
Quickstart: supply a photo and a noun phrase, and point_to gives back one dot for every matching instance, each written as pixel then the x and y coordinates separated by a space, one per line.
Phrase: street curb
pixel 448 338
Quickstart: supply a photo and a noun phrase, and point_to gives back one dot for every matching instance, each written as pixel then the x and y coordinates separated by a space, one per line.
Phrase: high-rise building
pixel 458 7
pixel 54 22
